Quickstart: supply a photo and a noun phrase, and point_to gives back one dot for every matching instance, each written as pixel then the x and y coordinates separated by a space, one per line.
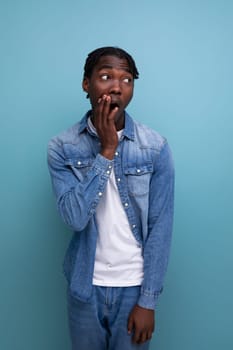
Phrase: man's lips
pixel 114 102
pixel 114 105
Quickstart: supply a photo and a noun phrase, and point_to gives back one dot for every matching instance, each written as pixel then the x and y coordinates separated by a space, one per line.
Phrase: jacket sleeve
pixel 76 198
pixel 160 221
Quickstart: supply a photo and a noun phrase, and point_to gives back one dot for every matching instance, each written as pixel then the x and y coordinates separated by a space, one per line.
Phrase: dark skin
pixel 110 89
pixel 110 83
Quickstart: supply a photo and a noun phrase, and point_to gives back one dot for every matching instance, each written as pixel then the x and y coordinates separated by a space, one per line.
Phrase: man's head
pixel 94 57
pixel 110 71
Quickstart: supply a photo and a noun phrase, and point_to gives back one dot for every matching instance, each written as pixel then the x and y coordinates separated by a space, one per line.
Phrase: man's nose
pixel 115 87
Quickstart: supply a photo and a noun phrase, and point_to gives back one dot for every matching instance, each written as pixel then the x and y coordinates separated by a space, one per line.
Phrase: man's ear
pixel 85 84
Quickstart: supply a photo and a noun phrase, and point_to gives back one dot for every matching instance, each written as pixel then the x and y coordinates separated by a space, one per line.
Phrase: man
pixel 113 179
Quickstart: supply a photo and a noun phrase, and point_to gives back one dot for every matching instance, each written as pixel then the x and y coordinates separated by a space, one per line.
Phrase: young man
pixel 113 179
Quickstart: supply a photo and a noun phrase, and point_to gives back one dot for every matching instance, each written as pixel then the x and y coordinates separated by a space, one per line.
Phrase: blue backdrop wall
pixel 184 53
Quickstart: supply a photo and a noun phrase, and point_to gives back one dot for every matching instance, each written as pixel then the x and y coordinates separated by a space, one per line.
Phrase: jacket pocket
pixel 79 166
pixel 138 179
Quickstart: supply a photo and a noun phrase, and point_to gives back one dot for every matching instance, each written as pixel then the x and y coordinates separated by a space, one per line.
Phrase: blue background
pixel 184 53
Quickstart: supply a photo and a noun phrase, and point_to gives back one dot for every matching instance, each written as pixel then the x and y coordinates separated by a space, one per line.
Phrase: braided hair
pixel 94 56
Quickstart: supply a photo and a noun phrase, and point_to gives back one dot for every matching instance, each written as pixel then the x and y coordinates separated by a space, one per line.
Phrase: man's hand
pixel 104 121
pixel 141 322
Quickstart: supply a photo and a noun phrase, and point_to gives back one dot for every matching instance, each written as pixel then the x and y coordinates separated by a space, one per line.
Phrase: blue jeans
pixel 101 324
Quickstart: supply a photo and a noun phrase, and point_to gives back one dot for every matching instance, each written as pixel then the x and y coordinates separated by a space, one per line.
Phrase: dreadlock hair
pixel 94 56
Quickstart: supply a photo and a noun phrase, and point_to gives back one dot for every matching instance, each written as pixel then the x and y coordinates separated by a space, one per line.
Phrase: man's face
pixel 111 77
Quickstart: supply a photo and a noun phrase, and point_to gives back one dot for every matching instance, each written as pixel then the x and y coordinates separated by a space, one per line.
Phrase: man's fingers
pixel 106 107
pixel 108 114
pixel 112 114
pixel 143 337
pixel 104 113
pixel 137 337
pixel 130 325
pixel 149 335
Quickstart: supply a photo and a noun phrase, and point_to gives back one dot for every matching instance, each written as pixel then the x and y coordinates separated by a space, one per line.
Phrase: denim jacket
pixel 144 171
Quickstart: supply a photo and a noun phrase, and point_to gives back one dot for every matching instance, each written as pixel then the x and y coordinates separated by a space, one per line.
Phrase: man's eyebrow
pixel 108 66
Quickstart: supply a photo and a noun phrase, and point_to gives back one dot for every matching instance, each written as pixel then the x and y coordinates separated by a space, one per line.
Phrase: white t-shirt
pixel 118 259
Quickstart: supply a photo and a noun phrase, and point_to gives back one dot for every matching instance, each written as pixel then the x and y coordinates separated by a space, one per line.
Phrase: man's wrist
pixel 108 153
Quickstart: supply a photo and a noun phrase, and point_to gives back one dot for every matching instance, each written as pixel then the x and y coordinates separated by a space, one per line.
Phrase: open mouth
pixel 113 105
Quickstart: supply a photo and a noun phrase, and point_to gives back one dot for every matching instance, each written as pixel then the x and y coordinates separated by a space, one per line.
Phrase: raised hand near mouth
pixel 104 121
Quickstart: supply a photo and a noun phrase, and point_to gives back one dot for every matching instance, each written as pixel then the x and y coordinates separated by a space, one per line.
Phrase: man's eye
pixel 104 77
pixel 127 80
